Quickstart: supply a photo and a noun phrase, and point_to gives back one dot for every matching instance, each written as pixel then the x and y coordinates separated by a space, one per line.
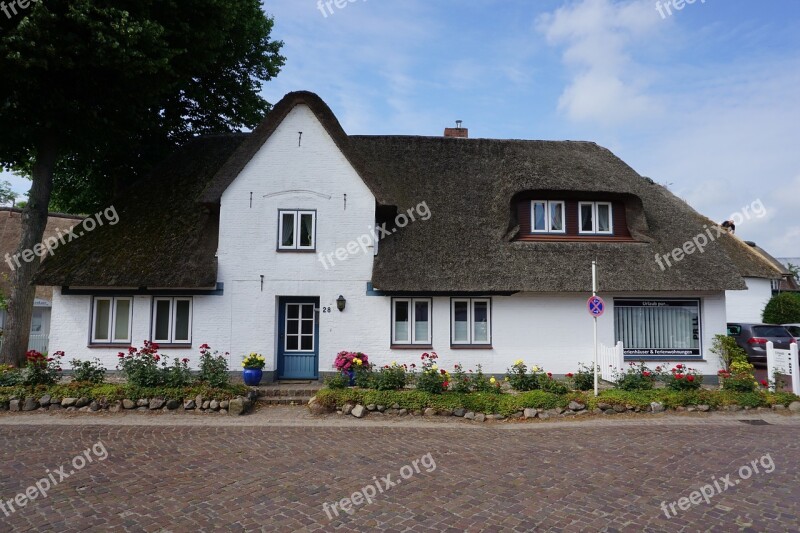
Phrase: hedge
pixel 120 391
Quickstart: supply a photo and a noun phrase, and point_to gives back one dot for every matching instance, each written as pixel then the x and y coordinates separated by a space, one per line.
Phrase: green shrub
pixel 389 378
pixel 548 384
pixel 146 368
pixel 583 379
pixel 519 378
pixel 88 371
pixel 682 378
pixel 727 350
pixel 9 376
pixel 783 308
pixel 41 369
pixel 636 377
pixel 461 382
pixel 739 378
pixel 213 367
pixel 431 379
pixel 480 383
pixel 337 381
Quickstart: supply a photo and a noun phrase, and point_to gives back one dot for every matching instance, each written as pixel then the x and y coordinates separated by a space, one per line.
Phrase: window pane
pixel 287 231
pixel 308 311
pixel 306 230
pixel 292 327
pixel 308 327
pixel 460 321
pixel 421 322
pixel 291 343
pixel 657 328
pixel 122 320
pixel 36 322
pixel 603 218
pixel 556 216
pixel 161 332
pixel 481 317
pixel 307 342
pixel 771 331
pixel 182 308
pixel 102 319
pixel 401 330
pixel 586 218
pixel 539 214
pixel 293 310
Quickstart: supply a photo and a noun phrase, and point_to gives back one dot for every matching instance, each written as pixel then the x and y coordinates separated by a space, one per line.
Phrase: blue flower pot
pixel 252 376
pixel 351 374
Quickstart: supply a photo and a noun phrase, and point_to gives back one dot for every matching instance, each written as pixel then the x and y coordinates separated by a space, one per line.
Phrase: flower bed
pixel 77 396
pixel 535 403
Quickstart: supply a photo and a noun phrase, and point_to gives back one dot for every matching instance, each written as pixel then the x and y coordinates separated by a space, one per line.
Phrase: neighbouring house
pixel 10 232
pixel 267 242
pixel 748 306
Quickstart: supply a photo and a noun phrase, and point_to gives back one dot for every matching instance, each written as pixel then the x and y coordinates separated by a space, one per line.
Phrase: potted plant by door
pixel 350 363
pixel 253 365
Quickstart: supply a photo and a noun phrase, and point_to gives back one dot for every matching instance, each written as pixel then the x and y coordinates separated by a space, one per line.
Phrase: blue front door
pixel 298 338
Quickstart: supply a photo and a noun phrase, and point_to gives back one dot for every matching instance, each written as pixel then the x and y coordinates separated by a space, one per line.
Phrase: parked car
pixel 753 338
pixel 794 329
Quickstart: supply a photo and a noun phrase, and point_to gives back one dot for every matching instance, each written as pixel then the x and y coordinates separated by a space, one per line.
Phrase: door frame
pixel 281 327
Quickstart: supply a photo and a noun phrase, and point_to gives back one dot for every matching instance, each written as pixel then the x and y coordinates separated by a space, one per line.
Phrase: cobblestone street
pixel 200 475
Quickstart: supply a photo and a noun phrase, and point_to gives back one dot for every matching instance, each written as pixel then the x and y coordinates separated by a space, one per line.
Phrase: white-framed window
pixel 595 217
pixel 411 321
pixel 172 320
pixel 111 319
pixel 297 230
pixel 547 216
pixel 470 321
pixel 658 327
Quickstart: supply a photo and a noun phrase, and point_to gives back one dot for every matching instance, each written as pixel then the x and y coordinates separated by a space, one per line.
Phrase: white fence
pixel 785 362
pixel 35 342
pixel 610 359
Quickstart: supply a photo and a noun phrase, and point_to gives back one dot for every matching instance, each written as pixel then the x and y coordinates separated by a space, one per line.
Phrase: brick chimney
pixel 458 132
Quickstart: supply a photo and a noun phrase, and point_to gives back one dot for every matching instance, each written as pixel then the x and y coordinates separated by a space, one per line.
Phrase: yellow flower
pixel 394 363
pixel 518 362
pixel 506 378
pixel 434 366
pixel 535 368
pixel 357 362
pixel 492 380
pixel 243 365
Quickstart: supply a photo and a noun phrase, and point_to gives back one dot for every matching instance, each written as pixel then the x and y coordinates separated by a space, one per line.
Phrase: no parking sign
pixel 596 306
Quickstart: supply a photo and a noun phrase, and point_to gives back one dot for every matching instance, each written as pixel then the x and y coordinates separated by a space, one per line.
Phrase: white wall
pixel 746 306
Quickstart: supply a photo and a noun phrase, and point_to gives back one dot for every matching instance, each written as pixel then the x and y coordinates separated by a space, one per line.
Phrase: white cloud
pixel 607 85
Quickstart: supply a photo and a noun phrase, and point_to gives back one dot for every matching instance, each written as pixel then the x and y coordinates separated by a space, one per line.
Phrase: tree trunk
pixel 34 221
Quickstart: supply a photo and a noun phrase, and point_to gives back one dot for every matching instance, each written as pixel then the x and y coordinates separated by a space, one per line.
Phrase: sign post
pixel 784 362
pixel 596 307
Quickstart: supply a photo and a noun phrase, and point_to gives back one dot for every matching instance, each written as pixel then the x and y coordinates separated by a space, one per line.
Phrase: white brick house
pixel 245 242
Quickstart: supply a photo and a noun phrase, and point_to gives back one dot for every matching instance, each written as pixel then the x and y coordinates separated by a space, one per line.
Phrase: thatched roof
pixel 469 184
pixel 167 233
pixel 164 238
pixel 10 233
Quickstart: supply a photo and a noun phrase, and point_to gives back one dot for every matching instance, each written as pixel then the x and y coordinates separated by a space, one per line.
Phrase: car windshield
pixel 770 331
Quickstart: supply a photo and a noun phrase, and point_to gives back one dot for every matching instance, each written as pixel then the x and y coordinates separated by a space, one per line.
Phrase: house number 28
pixel 326 309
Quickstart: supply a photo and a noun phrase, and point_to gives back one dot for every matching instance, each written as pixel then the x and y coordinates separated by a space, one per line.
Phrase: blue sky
pixel 706 100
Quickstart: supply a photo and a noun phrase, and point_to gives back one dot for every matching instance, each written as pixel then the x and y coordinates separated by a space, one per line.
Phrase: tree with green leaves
pixel 96 89
pixel 7 196
pixel 783 308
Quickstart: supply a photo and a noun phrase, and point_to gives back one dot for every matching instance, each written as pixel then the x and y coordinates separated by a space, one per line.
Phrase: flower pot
pixel 351 375
pixel 252 376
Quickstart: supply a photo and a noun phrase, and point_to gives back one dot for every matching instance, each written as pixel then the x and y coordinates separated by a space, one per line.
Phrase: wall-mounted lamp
pixel 340 303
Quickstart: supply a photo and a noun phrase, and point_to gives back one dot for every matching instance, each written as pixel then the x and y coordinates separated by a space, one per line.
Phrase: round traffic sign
pixel 596 306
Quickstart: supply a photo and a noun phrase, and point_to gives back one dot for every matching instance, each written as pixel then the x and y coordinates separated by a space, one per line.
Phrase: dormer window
pixel 547 216
pixel 595 218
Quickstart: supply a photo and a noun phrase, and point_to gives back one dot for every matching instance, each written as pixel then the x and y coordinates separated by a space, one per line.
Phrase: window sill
pixel 295 251
pixel 471 347
pixel 106 345
pixel 411 347
pixel 173 346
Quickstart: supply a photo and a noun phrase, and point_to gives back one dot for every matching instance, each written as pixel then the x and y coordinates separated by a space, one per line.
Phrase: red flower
pixel 658 369
pixel 765 383
pixel 205 347
pixel 690 377
pixel 569 374
pixel 156 357
pixel 549 374
pixel 678 376
pixel 185 359
pixel 446 384
pixel 646 374
pixel 413 365
pixel 443 371
pixel 678 366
